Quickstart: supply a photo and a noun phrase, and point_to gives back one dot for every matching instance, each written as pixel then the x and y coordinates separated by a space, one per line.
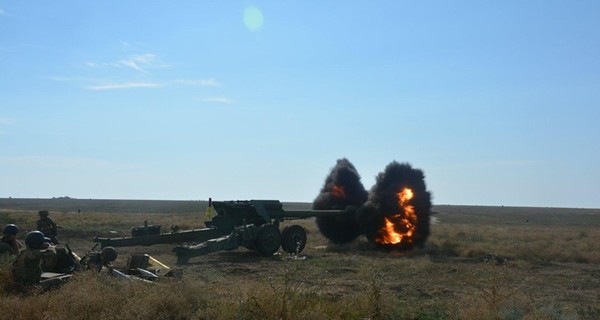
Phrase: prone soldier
pixel 98 260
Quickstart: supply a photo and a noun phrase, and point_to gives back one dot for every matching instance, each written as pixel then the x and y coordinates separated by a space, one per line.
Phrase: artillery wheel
pixel 268 240
pixel 293 239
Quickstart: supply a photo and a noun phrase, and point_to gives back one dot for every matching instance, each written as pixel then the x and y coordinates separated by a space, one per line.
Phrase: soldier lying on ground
pixel 97 260
pixel 9 243
pixel 102 263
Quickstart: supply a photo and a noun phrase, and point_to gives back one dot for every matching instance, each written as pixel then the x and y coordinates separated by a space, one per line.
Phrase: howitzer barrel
pixel 302 214
pixel 255 211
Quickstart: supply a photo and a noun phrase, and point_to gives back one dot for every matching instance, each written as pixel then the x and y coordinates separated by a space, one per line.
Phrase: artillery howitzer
pixel 253 224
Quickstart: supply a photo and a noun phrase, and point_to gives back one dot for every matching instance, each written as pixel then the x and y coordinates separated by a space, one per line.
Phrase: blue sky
pixel 497 102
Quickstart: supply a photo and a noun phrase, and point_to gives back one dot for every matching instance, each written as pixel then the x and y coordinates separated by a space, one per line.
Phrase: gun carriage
pixel 253 224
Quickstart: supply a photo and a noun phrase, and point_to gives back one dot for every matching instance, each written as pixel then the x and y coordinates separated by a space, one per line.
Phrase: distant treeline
pixel 101 205
pixel 65 204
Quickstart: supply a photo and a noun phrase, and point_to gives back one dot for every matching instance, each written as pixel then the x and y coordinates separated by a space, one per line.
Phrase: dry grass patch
pixel 478 264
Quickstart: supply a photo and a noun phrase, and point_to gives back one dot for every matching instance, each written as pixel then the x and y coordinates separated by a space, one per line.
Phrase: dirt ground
pixel 537 263
pixel 433 275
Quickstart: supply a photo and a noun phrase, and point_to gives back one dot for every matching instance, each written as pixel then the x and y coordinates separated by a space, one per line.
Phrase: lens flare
pixel 253 18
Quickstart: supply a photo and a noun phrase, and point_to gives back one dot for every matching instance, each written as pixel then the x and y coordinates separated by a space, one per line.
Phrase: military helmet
pixel 34 239
pixel 109 254
pixel 43 213
pixel 11 229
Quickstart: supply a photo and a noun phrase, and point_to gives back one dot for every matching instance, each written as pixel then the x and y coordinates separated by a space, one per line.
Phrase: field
pixel 479 263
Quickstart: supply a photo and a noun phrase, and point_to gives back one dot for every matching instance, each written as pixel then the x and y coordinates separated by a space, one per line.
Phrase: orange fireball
pixel 400 227
pixel 338 191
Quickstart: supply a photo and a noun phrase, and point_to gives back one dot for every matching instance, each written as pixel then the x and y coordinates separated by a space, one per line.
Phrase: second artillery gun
pixel 253 224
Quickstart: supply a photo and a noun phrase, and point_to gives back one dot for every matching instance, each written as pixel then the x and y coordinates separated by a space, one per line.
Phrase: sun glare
pixel 253 18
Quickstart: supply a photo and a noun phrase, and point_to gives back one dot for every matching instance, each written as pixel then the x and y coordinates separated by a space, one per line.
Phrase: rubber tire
pixel 268 240
pixel 293 239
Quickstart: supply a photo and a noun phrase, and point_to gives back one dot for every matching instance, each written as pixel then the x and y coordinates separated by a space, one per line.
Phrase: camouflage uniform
pixel 27 268
pixel 10 245
pixel 93 261
pixel 48 228
pixel 61 262
pixel 49 261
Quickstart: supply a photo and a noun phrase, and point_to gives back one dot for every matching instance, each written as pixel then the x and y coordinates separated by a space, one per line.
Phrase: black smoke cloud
pixel 342 191
pixel 383 203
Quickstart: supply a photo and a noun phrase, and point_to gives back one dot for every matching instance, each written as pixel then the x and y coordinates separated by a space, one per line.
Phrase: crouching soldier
pixel 9 243
pixel 27 268
pixel 98 260
pixel 64 261
pixel 47 226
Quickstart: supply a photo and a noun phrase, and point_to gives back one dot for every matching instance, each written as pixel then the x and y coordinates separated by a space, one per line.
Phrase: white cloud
pixel 3 13
pixel 140 63
pixel 127 45
pixel 106 84
pixel 200 83
pixel 220 100
pixel 131 64
pixel 70 79
pixel 144 58
pixel 57 162
pixel 126 85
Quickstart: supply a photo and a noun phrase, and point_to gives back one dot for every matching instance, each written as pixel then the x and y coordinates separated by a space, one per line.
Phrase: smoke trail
pixel 342 189
pixel 396 214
